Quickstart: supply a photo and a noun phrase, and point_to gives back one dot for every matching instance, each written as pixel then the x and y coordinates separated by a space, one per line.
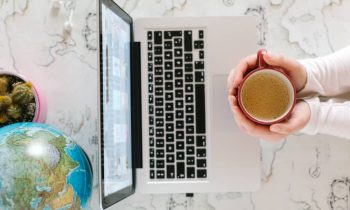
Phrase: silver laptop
pixel 165 122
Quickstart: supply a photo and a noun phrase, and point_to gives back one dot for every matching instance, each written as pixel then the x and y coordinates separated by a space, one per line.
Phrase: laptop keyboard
pixel 176 97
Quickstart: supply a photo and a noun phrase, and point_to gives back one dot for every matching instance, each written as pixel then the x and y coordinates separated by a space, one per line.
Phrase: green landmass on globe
pixel 40 169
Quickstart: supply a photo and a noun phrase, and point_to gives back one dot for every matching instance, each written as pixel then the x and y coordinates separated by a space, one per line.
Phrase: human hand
pixel 290 66
pixel 298 118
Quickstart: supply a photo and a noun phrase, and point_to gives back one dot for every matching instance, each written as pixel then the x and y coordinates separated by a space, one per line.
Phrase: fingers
pixel 298 119
pixel 248 126
pixel 288 64
pixel 236 75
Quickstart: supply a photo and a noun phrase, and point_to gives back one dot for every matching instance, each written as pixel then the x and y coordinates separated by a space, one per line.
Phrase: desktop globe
pixel 42 168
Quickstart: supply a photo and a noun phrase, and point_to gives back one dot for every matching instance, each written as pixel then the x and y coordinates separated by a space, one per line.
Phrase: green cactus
pixel 5 101
pixel 3 85
pixel 22 93
pixel 14 111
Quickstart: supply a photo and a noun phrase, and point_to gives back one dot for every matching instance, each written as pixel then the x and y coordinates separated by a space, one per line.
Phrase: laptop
pixel 165 123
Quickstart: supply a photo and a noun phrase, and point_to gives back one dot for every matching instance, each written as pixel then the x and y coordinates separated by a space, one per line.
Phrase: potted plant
pixel 19 100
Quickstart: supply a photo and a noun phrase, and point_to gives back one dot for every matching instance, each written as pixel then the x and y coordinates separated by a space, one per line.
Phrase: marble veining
pixel 299 172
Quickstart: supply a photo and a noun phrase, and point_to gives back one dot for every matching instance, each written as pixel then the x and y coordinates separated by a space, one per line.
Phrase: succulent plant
pixel 22 93
pixel 14 111
pixel 5 101
pixel 3 85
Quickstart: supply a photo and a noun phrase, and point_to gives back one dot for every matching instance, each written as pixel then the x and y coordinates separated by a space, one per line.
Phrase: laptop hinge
pixel 136 103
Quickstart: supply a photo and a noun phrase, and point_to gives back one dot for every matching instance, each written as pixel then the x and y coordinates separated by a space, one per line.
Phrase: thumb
pixel 289 65
pixel 291 125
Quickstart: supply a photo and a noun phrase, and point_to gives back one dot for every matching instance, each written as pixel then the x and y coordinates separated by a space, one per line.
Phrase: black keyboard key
pixel 170 148
pixel 201 152
pixel 169 106
pixel 188 40
pixel 150 67
pixel 159 122
pixel 160 174
pixel 168 55
pixel 199 76
pixel 159 153
pixel 180 124
pixel 169 85
pixel 190 160
pixel 159 101
pixel 151 176
pixel 171 34
pixel 178 42
pixel 179 83
pixel 178 73
pixel 168 45
pixel 199 44
pixel 170 158
pixel 149 46
pixel 180 156
pixel 190 172
pixel 201 34
pixel 189 129
pixel 188 67
pixel 178 52
pixel 189 109
pixel 180 169
pixel 170 171
pixel 159 112
pixel 199 64
pixel 158 60
pixel 150 78
pixel 150 88
pixel 202 173
pixel 179 104
pixel 150 56
pixel 179 114
pixel 151 152
pixel 159 132
pixel 158 81
pixel 188 77
pixel 189 98
pixel 201 163
pixel 188 88
pixel 151 142
pixel 159 143
pixel 200 108
pixel 158 91
pixel 178 62
pixel 189 119
pixel 158 37
pixel 188 57
pixel 169 127
pixel 179 93
pixel 168 65
pixel 149 35
pixel 189 140
pixel 151 131
pixel 160 163
pixel 169 137
pixel 151 120
pixel 201 141
pixel 158 70
pixel 158 50
pixel 151 163
pixel 169 96
pixel 180 145
pixel 168 75
pixel 189 150
pixel 201 54
pixel 169 116
pixel 180 135
pixel 150 108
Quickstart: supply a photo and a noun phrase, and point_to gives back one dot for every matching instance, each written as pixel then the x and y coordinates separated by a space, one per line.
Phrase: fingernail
pixel 275 128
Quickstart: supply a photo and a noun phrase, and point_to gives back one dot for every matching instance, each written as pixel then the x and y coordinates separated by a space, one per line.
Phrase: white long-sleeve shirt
pixel 328 76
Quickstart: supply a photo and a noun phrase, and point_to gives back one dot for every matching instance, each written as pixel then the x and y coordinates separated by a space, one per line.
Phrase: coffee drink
pixel 265 96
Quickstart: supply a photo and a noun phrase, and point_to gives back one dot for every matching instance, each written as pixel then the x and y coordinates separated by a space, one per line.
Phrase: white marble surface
pixel 301 172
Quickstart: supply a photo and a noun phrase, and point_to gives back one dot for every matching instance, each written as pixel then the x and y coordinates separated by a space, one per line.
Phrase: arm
pixel 328 75
pixel 328 118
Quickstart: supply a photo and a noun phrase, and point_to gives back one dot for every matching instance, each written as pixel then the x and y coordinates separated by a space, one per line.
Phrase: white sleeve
pixel 328 75
pixel 328 118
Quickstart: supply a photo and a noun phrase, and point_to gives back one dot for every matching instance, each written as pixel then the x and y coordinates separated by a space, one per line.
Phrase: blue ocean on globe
pixel 42 168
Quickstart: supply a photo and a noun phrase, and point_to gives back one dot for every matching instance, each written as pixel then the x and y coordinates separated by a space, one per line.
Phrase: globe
pixel 42 168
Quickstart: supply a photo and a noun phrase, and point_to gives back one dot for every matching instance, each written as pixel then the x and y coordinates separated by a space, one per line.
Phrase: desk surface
pixel 301 172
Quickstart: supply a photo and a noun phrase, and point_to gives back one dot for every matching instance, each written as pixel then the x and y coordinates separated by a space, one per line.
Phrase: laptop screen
pixel 115 80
